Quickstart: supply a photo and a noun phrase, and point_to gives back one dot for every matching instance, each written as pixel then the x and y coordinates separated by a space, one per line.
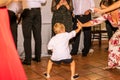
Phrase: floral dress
pixel 114 42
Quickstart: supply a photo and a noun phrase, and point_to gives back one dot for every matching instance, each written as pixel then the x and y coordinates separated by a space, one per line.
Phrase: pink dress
pixel 10 65
pixel 114 42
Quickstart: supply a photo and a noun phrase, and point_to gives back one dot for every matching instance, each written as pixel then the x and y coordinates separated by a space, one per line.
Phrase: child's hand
pixel 79 24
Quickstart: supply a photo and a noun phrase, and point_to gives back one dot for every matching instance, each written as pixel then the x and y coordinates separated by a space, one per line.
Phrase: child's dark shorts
pixel 66 61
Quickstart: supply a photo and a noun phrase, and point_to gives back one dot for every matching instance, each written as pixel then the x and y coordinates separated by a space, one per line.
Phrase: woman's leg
pixel 114 50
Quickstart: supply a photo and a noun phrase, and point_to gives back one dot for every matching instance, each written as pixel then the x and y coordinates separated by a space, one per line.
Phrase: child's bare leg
pixel 73 75
pixel 72 65
pixel 49 66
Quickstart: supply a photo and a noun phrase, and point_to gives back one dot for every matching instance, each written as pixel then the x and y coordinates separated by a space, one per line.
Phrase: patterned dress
pixel 62 15
pixel 114 42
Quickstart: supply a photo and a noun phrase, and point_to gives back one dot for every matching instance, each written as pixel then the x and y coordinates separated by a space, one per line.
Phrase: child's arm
pixel 87 24
pixel 79 26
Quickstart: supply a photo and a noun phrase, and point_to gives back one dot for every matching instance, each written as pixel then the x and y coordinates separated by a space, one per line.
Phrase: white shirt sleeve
pixel 50 44
pixel 42 1
pixel 72 34
pixel 92 5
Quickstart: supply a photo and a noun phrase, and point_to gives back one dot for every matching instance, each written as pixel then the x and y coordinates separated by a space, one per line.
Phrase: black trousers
pixel 13 25
pixel 110 29
pixel 31 22
pixel 87 35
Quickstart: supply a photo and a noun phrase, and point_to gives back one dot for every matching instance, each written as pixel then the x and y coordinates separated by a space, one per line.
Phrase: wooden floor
pixel 89 68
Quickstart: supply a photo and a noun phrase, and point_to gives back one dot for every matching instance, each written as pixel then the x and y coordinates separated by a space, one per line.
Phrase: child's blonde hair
pixel 58 27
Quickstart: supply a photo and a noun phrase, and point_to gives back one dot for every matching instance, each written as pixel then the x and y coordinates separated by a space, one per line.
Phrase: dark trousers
pixel 110 29
pixel 87 35
pixel 31 22
pixel 13 25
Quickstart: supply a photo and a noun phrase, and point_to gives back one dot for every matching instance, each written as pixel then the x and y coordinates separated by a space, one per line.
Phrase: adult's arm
pixel 111 7
pixel 54 6
pixel 71 6
pixel 95 21
pixel 4 2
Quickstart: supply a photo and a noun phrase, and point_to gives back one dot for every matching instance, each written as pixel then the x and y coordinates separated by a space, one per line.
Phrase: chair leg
pixel 100 39
pixel 92 39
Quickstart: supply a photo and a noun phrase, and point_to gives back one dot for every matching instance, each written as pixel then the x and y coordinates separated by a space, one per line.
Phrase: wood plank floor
pixel 89 68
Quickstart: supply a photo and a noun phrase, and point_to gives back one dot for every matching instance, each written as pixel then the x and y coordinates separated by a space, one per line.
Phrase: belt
pixel 31 8
pixel 81 15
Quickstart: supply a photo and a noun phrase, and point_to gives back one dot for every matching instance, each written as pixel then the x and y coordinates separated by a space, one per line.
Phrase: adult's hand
pixel 99 11
pixel 4 2
pixel 87 12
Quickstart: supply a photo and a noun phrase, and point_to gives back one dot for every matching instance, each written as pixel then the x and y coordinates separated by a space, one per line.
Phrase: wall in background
pixel 47 14
pixel 46 29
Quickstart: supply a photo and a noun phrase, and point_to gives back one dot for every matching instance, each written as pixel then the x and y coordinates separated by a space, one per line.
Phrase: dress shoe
pixel 26 63
pixel 73 53
pixel 84 55
pixel 35 59
pixel 106 48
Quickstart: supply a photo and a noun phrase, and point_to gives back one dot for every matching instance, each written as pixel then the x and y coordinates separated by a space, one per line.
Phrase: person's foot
pixel 46 75
pixel 107 68
pixel 91 51
pixel 26 63
pixel 73 54
pixel 106 48
pixel 76 76
pixel 84 55
pixel 35 59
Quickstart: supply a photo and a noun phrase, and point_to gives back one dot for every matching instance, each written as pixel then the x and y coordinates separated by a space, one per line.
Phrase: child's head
pixel 59 28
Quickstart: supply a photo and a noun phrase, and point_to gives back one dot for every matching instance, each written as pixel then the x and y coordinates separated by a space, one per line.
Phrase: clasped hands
pixel 79 24
pixel 63 2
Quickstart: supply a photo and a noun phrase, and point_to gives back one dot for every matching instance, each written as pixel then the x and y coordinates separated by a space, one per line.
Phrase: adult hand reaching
pixel 79 25
pixel 99 11
pixel 87 12
pixel 4 2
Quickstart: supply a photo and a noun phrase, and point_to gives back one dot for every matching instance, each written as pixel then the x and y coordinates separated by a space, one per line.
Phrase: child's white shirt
pixel 59 44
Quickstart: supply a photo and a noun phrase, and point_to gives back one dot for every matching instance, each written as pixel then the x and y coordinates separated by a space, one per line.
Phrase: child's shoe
pixel 46 75
pixel 76 76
